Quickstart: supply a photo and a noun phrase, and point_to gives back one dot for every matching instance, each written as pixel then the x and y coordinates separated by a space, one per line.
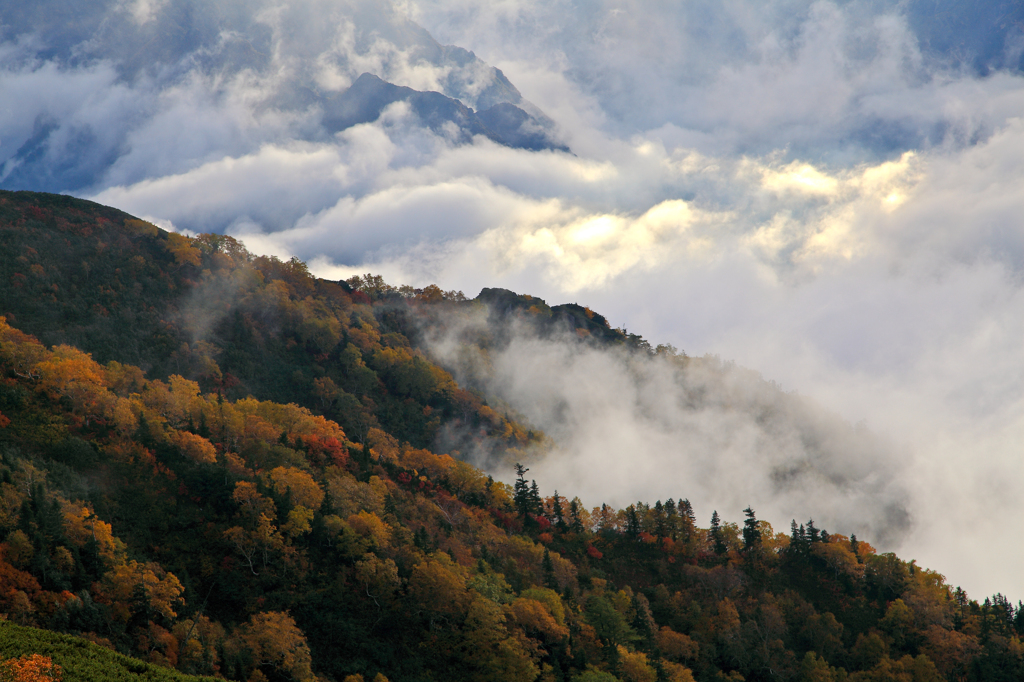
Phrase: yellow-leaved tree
pixel 181 248
pixel 196 448
pixel 488 651
pixel 272 642
pixel 70 373
pixel 121 584
pixel 303 489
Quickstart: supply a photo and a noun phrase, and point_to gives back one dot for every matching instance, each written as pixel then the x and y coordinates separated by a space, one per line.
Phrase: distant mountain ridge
pixel 504 122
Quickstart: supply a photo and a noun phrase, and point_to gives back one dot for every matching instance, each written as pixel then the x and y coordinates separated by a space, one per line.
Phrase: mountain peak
pixel 504 123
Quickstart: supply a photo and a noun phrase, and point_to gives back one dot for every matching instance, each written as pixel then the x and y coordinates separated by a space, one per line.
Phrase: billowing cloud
pixel 827 192
pixel 823 79
pixel 630 427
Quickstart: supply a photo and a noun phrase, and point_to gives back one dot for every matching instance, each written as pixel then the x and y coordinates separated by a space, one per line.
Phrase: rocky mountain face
pixel 505 123
pixel 273 72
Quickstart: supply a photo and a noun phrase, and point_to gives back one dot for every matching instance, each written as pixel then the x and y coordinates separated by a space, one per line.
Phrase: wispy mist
pixel 630 426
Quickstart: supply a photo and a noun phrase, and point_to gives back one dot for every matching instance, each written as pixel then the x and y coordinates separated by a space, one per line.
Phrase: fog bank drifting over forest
pixel 628 426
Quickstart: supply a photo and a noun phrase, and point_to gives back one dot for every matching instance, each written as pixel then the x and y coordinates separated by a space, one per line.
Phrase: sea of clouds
pixel 829 193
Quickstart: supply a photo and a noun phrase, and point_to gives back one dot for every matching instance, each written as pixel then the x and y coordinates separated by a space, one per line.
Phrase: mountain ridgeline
pixel 504 122
pixel 221 465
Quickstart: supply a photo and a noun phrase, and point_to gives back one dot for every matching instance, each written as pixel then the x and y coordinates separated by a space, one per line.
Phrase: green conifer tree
pixel 521 491
pixel 575 516
pixel 751 532
pixel 688 520
pixel 535 501
pixel 556 510
pixel 549 571
pixel 672 518
pixel 717 538
pixel 660 520
pixel 632 523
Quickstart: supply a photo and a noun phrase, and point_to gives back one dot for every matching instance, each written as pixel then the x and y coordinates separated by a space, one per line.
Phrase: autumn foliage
pixel 252 487
pixel 33 668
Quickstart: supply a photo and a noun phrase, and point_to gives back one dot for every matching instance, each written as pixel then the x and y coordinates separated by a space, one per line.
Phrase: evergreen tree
pixel 417 589
pixel 643 514
pixel 204 430
pixel 751 532
pixel 813 534
pixel 549 571
pixel 536 503
pixel 671 518
pixel 521 491
pixel 688 519
pixel 604 520
pixel 960 615
pixel 575 519
pixel 556 505
pixel 632 523
pixel 643 623
pixel 660 521
pixel 717 538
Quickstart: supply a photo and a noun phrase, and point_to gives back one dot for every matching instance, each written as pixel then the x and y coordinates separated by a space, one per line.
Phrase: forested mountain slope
pixel 260 500
pixel 73 272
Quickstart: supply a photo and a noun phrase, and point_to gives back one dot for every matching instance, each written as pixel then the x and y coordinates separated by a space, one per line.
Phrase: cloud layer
pixel 827 192
pixel 628 427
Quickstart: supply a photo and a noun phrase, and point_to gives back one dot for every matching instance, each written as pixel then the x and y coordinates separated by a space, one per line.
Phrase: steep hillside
pixel 216 526
pixel 73 272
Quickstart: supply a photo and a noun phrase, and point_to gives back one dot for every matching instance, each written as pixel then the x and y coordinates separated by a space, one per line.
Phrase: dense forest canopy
pixel 219 464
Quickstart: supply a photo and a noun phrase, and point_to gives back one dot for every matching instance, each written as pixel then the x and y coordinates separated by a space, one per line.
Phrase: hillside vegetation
pixel 219 464
pixel 79 660
pixel 120 289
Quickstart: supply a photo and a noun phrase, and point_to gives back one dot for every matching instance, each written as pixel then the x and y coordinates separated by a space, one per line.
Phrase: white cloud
pixel 143 11
pixel 80 106
pixel 629 428
pixel 821 78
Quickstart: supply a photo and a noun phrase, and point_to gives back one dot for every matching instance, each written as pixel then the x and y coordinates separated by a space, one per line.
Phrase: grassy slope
pixel 81 660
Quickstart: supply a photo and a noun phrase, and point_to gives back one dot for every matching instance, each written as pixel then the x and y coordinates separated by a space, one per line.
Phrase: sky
pixel 827 193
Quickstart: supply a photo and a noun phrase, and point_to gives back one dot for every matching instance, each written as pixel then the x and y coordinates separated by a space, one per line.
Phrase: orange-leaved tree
pixel 32 668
